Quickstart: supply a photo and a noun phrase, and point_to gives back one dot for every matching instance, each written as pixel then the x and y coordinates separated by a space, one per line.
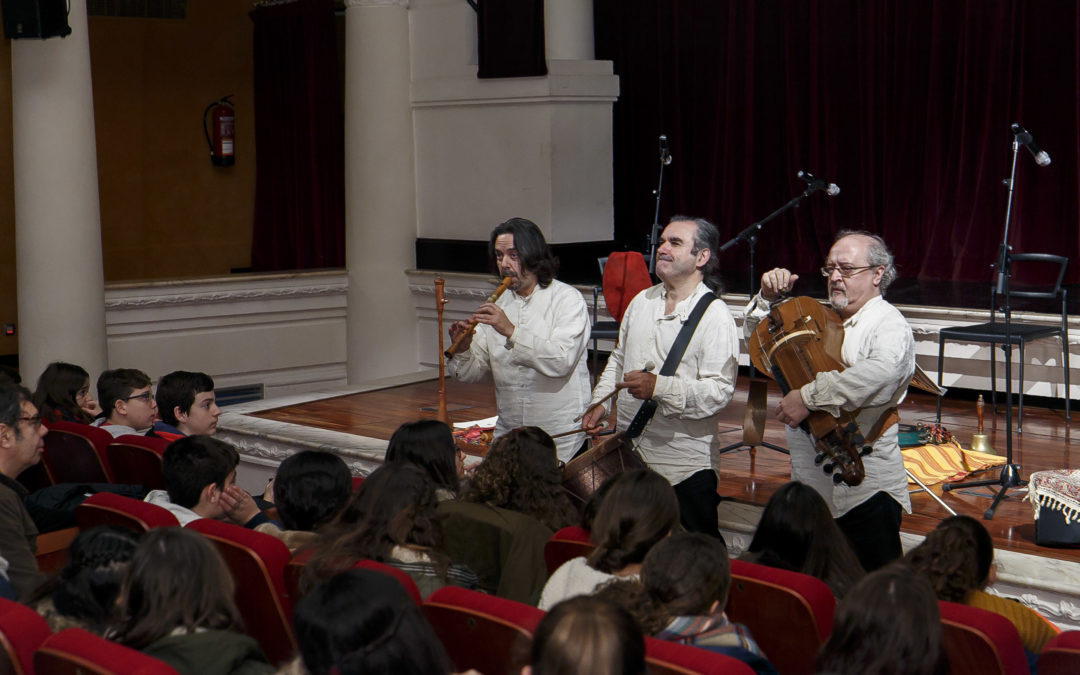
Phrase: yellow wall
pixel 165 210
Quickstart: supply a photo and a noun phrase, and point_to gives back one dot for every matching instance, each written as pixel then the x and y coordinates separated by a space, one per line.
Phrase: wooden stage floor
pixel 1045 444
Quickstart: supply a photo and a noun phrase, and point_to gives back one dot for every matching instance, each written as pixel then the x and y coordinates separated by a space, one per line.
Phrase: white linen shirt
pixel 679 440
pixel 541 378
pixel 879 358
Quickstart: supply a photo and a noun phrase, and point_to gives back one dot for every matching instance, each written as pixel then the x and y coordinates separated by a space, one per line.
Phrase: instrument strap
pixel 888 418
pixel 671 363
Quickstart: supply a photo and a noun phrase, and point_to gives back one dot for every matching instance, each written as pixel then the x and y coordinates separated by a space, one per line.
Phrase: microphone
pixel 665 152
pixel 1025 139
pixel 831 189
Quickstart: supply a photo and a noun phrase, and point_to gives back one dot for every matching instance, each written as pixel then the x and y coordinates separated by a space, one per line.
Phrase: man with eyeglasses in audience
pixel 22 440
pixel 127 402
pixel 879 358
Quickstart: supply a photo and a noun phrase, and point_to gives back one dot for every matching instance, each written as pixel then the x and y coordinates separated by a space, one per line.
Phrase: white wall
pixel 285 331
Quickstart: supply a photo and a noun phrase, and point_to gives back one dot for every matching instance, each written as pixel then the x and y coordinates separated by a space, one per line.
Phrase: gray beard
pixel 840 301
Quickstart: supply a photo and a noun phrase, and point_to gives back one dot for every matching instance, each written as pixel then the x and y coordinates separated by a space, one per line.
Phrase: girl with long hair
pixel 957 559
pixel 391 519
pixel 63 394
pixel 176 605
pixel 639 510
pixel 521 472
pixel 797 532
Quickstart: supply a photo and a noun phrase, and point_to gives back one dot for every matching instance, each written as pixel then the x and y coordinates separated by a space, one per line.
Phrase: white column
pixel 380 193
pixel 568 30
pixel 61 291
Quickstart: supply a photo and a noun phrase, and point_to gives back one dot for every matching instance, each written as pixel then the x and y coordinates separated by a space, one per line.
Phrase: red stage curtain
pixel 906 104
pixel 299 137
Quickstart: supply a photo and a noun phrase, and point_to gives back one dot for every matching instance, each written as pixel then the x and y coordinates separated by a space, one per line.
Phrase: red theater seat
pixel 672 658
pixel 136 460
pixel 75 453
pixel 22 631
pixel 566 544
pixel 481 631
pixel 789 614
pixel 106 508
pixel 74 651
pixel 1061 655
pixel 257 562
pixel 979 642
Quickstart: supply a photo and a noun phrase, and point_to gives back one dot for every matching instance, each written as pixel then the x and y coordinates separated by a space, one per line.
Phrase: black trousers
pixel 873 530
pixel 698 501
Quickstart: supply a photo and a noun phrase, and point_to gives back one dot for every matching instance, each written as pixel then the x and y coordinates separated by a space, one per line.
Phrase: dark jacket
pixel 18 535
pixel 505 548
pixel 211 652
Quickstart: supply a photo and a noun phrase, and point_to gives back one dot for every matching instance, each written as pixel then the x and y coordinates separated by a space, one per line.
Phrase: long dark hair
pixel 521 473
pixel 177 579
pixel 639 510
pixel 428 444
pixel 532 249
pixel 683 575
pixel 57 388
pixel 87 587
pixel 955 557
pixel 797 532
pixel 359 622
pixel 889 624
pixel 395 506
pixel 588 635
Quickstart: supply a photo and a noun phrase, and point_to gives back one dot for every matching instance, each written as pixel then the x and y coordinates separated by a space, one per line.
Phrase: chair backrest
pixel 74 651
pixel 1061 655
pixel 566 544
pixel 979 642
pixel 294 570
pixel 789 614
pixel 106 508
pixel 1048 259
pixel 481 631
pixel 664 658
pixel 136 460
pixel 257 562
pixel 22 631
pixel 75 453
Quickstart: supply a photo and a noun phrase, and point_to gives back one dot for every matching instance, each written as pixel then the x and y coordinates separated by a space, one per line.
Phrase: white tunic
pixel 541 378
pixel 680 439
pixel 879 358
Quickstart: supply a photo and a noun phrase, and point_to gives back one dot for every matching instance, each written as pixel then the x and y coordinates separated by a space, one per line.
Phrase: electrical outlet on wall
pixel 9 330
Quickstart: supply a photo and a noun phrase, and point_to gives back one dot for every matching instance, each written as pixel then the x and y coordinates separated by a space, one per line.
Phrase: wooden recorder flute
pixel 503 285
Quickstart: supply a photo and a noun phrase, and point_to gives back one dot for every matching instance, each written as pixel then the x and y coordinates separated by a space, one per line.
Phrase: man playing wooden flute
pixel 879 352
pixel 678 441
pixel 531 340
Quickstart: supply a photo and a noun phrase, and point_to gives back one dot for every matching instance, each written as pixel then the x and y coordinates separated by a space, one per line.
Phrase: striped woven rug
pixel 934 464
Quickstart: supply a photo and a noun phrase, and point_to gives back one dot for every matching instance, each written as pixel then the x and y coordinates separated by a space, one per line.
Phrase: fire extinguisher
pixel 220 135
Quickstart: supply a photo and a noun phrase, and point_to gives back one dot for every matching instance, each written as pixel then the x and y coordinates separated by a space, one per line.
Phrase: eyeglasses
pixel 34 420
pixel 846 271
pixel 147 396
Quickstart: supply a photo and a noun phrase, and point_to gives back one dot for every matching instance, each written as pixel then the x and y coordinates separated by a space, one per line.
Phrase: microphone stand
pixel 654 234
pixel 749 236
pixel 1010 473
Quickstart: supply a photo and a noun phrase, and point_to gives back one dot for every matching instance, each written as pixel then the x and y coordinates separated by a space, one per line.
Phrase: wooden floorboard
pixel 1044 444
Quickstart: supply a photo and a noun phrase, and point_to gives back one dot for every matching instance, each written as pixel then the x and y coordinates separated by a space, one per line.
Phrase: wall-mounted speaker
pixel 35 18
